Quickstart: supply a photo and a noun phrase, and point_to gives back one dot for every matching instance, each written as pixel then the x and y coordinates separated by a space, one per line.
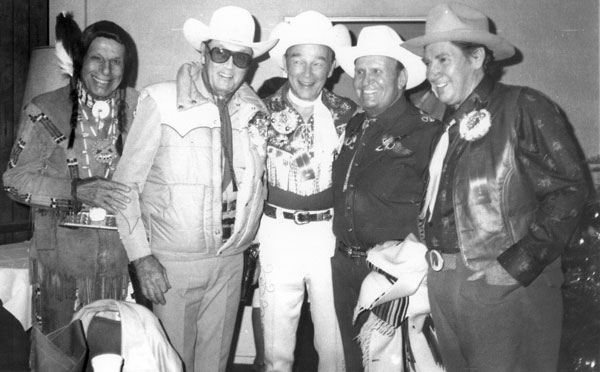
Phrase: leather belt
pixel 439 261
pixel 351 250
pixel 299 217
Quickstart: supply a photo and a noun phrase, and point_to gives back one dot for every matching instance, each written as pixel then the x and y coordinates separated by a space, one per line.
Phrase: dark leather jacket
pixel 518 191
pixel 493 202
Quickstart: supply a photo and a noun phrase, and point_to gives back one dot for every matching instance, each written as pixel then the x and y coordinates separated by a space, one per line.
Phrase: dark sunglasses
pixel 221 55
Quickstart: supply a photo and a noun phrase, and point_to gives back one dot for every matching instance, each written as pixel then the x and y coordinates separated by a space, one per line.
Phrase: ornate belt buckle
pixel 301 217
pixel 93 218
pixel 436 260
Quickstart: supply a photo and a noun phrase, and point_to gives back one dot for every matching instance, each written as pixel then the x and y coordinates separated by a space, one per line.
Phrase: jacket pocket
pixel 479 291
pixel 182 226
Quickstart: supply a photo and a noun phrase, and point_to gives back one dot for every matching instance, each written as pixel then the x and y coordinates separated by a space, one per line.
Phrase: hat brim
pixel 502 49
pixel 415 68
pixel 196 33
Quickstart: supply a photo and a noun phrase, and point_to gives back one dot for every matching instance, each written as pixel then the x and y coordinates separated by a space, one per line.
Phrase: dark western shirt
pixel 380 174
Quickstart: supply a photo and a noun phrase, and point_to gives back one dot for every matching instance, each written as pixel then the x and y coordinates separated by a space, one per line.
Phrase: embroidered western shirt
pixel 299 178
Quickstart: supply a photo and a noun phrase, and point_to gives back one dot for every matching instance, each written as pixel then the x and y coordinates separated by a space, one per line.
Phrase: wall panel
pixel 558 40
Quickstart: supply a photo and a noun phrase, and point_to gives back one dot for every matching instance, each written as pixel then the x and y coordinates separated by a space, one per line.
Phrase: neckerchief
pixel 226 135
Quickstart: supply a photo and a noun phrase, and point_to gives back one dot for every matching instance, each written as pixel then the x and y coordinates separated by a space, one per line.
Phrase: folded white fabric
pixel 394 338
pixel 15 293
pixel 144 344
pixel 404 261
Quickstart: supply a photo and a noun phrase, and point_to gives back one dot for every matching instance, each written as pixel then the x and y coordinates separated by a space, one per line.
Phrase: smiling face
pixel 103 67
pixel 452 73
pixel 224 78
pixel 308 66
pixel 378 82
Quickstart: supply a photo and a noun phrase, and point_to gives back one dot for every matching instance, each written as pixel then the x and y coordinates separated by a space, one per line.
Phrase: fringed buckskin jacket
pixel 173 164
pixel 38 175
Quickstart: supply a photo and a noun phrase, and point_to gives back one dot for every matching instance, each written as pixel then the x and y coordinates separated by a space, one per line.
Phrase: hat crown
pixel 383 41
pixel 459 22
pixel 455 16
pixel 309 27
pixel 311 22
pixel 232 23
pixel 375 37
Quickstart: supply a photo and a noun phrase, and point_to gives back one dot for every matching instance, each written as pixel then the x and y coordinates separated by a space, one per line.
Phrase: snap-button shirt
pixel 380 174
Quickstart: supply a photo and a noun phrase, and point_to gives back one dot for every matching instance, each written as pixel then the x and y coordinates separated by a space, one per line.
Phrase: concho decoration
pixel 105 150
pixel 475 125
pixel 101 109
pixel 284 122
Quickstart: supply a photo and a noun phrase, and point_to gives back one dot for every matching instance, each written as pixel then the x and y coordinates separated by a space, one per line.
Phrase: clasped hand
pixel 103 193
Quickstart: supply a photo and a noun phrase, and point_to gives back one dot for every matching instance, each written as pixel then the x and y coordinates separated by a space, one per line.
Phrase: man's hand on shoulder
pixel 153 278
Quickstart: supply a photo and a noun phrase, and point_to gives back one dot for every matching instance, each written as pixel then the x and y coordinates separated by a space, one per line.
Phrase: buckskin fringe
pixel 88 288
pixel 373 324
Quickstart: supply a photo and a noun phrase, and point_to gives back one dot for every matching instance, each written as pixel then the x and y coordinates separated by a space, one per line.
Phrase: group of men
pixel 494 191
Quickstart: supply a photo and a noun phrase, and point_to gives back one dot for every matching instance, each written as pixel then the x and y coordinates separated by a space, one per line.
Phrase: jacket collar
pixel 192 91
pixel 477 100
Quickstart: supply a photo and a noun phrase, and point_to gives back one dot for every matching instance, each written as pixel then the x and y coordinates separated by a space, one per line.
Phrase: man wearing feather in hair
pixel 68 145
pixel 378 180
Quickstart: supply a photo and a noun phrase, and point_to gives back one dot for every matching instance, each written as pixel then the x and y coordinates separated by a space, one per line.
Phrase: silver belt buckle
pixel 436 260
pixel 298 220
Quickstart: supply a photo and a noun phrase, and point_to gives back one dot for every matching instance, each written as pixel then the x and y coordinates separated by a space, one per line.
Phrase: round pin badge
pixel 101 109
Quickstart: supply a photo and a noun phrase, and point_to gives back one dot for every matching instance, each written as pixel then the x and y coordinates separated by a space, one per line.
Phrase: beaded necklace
pixel 103 149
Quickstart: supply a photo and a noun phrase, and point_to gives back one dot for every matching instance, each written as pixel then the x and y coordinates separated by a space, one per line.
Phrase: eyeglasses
pixel 221 55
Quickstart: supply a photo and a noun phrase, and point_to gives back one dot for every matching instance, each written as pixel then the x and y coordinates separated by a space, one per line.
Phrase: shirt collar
pixel 390 115
pixel 282 96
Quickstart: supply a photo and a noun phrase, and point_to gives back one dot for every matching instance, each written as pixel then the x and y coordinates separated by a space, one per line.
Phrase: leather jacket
pixel 518 191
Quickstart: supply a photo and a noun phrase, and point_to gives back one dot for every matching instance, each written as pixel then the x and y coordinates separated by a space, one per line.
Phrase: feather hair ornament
pixel 65 62
pixel 68 35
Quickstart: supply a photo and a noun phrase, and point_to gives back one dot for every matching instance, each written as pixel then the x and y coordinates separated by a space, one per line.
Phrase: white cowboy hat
pixel 230 24
pixel 383 41
pixel 308 27
pixel 458 22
